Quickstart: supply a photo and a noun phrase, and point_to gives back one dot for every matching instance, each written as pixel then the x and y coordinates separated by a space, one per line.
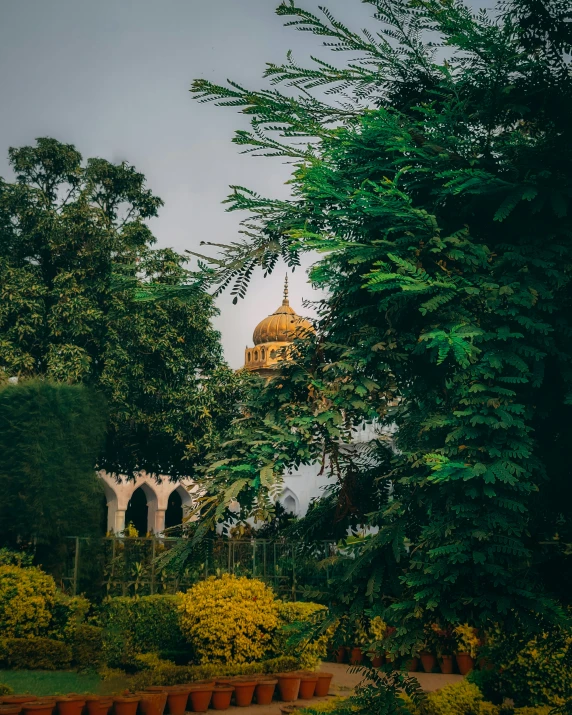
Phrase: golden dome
pixel 283 326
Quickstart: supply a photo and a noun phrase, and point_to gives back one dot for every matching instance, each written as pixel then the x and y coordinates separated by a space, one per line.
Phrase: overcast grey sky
pixel 112 77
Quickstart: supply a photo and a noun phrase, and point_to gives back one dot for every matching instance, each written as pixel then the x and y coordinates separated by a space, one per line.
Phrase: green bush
pixel 292 638
pixel 34 654
pixel 68 613
pixel 27 598
pixel 5 689
pixel 174 675
pixel 531 673
pixel 140 625
pixel 86 644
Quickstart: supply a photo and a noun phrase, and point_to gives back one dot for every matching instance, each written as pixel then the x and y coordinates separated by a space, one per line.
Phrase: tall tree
pixel 438 190
pixel 80 285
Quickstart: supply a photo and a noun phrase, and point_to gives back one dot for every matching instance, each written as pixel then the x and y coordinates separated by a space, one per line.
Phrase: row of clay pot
pixel 178 699
pixel 465 663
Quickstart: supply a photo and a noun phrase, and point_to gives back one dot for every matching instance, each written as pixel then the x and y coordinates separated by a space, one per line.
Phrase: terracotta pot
pixel 323 684
pixel 152 702
pixel 14 709
pixel 39 707
pixel 341 654
pixel 105 705
pixel 177 697
pixel 446 664
pixel 265 691
pixel 288 686
pixel 70 705
pixel 307 686
pixel 125 704
pixel 17 699
pixel 356 656
pixel 200 697
pixel 465 663
pixel 377 661
pixel 412 665
pixel 244 692
pixel 221 697
pixel 428 661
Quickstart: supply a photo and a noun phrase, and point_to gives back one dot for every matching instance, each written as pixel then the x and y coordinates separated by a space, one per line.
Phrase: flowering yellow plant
pixel 230 620
pixel 467 640
pixel 27 598
pixel 377 629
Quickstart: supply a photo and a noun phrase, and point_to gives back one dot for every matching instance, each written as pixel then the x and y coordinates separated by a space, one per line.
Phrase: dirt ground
pixel 343 683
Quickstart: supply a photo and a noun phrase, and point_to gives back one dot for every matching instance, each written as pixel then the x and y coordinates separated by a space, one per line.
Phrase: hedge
pixel 86 646
pixel 34 654
pixel 140 625
pixel 166 674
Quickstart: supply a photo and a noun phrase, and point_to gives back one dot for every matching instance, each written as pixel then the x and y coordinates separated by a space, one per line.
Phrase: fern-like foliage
pixel 432 171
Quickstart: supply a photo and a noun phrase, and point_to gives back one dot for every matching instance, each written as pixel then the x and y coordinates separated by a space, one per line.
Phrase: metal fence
pixel 116 566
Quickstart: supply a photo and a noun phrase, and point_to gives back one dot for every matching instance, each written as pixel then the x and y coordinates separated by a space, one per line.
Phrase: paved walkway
pixel 343 684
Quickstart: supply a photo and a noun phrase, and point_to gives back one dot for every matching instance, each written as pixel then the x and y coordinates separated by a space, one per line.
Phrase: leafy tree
pixel 80 284
pixel 437 189
pixel 50 435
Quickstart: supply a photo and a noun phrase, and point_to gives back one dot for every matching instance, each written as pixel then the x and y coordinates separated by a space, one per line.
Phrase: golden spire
pixel 286 301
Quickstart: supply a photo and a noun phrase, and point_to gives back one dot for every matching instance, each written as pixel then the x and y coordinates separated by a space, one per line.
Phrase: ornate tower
pixel 272 335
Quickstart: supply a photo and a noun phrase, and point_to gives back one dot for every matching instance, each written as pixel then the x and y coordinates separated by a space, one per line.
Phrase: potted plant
pixel 429 649
pixel 377 631
pixel 446 646
pixel 360 640
pixel 467 647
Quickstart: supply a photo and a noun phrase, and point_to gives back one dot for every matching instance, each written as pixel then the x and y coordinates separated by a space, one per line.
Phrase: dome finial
pixel 285 301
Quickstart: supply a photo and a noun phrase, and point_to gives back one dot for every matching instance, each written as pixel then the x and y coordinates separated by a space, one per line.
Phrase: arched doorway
pixel 103 520
pixel 290 505
pixel 174 513
pixel 137 511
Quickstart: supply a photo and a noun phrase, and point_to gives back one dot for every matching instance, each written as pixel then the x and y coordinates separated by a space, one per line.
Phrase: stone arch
pixel 115 516
pixel 249 356
pixel 142 508
pixel 263 354
pixel 178 501
pixel 256 356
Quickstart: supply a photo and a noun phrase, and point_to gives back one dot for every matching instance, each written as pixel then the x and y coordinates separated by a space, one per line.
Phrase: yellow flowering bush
pixel 289 639
pixel 231 619
pixel 467 640
pixel 27 598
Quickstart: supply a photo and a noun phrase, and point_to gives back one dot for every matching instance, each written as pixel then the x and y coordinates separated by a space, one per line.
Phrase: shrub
pixel 86 644
pixel 230 619
pixel 531 673
pixel 9 557
pixel 328 706
pixel 294 635
pixel 27 597
pixel 5 689
pixel 140 625
pixel 34 654
pixel 68 613
pixel 175 675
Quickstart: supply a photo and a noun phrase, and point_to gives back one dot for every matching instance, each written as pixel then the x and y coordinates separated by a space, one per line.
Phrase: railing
pixel 117 566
